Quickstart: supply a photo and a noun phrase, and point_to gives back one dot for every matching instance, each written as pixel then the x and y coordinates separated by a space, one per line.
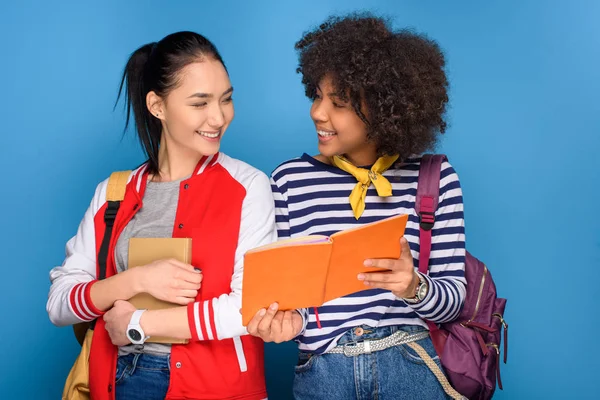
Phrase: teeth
pixel 209 135
pixel 325 134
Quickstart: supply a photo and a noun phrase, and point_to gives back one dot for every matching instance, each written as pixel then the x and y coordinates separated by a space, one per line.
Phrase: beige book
pixel 143 251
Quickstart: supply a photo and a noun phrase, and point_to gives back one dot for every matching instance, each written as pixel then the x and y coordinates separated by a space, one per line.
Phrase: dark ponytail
pixel 155 67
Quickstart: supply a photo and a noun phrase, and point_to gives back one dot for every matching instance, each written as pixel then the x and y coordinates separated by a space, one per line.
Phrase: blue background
pixel 524 138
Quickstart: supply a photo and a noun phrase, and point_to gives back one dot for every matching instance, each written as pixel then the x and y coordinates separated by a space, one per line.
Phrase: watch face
pixel 134 335
pixel 422 292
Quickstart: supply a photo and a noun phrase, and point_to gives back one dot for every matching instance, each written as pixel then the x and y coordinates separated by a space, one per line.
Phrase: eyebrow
pixel 208 95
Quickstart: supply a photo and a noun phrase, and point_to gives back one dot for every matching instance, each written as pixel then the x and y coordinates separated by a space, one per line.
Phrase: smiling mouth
pixel 325 134
pixel 209 135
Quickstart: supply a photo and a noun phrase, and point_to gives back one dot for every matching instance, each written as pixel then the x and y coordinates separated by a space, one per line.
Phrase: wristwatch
pixel 135 333
pixel 420 292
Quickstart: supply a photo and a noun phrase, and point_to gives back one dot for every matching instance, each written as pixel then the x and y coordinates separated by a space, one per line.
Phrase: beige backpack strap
pixel 450 391
pixel 117 183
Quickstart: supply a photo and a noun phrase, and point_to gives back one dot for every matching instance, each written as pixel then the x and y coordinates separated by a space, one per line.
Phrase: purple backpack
pixel 468 347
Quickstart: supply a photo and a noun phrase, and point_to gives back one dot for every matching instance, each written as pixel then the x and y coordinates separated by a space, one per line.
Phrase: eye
pixel 199 105
pixel 228 100
pixel 338 105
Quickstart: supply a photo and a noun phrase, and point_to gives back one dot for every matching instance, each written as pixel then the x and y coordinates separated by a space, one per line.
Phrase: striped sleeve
pixel 81 304
pixel 446 279
pixel 281 210
pixel 201 317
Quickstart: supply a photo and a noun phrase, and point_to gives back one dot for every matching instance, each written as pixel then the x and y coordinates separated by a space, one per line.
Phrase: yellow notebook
pixel 143 251
pixel 312 270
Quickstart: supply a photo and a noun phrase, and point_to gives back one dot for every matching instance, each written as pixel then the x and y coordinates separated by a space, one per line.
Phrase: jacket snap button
pixel 178 364
pixel 180 226
pixel 186 186
pixel 359 331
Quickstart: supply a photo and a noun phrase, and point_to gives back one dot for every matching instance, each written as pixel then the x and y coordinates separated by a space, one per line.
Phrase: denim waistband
pixel 363 332
pixel 148 361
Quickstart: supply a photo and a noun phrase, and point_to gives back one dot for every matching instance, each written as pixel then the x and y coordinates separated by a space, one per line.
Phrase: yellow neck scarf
pixel 365 177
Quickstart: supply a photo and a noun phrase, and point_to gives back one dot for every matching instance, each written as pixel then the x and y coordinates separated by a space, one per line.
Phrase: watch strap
pixel 135 317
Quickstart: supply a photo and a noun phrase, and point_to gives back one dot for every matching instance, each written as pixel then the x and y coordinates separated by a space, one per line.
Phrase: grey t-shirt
pixel 154 220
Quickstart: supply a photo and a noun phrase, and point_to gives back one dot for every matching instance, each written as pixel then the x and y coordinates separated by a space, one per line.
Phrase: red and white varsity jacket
pixel 226 207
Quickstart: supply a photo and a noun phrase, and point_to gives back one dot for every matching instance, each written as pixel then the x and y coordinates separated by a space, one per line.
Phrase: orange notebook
pixel 311 270
pixel 143 251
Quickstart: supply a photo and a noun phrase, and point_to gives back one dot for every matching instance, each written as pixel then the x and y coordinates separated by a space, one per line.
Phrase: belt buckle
pixel 348 347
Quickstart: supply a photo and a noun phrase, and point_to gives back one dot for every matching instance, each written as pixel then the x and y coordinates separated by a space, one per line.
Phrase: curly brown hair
pixel 399 75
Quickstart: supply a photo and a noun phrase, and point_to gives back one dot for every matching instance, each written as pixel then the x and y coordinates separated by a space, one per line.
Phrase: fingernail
pixel 361 277
pixel 197 270
pixel 273 306
pixel 262 312
pixel 366 283
pixel 402 240
pixel 368 263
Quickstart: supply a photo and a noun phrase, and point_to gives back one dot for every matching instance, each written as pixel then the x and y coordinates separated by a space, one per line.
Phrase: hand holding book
pixel 171 280
pixel 309 271
pixel 396 275
pixel 275 326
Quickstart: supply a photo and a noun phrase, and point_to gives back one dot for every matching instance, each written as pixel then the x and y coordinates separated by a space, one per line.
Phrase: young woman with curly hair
pixel 379 99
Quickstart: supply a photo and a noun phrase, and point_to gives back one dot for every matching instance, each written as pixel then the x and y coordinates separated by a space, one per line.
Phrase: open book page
pixel 292 275
pixel 292 242
pixel 352 247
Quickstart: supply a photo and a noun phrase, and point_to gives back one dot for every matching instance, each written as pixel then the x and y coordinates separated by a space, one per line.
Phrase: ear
pixel 155 105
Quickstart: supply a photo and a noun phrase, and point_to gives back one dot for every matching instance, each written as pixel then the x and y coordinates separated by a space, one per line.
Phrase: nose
pixel 216 119
pixel 318 112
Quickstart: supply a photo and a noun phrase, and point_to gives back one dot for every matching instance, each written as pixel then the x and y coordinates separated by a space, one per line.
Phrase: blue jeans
pixel 142 376
pixel 395 373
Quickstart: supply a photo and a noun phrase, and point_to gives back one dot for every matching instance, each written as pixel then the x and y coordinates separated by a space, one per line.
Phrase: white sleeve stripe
pixel 78 303
pixel 70 304
pixel 207 321
pixel 197 320
pixel 214 304
pixel 82 306
pixel 83 302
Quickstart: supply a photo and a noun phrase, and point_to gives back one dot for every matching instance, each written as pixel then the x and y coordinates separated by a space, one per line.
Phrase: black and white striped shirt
pixel 311 197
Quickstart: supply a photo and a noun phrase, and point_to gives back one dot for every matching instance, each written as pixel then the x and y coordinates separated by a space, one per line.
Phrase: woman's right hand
pixel 276 326
pixel 171 280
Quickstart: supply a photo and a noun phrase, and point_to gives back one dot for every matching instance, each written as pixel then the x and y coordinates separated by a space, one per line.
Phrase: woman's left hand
pixel 117 319
pixel 401 279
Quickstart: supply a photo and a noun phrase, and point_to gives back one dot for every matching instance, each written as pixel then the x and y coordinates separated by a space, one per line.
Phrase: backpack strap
pixel 426 203
pixel 115 193
pixel 442 379
pixel 428 190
